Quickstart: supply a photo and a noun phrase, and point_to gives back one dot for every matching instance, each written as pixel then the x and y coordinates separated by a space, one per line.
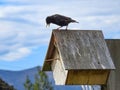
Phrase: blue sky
pixel 24 37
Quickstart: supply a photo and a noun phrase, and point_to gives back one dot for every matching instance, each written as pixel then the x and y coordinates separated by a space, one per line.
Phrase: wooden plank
pixel 99 77
pixel 49 55
pixel 87 77
pixel 114 79
pixel 83 49
pixel 59 73
pixel 49 60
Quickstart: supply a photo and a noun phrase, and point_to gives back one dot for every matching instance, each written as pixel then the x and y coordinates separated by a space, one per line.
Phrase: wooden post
pixel 114 79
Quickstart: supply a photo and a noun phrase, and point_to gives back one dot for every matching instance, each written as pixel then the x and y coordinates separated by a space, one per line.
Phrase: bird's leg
pixel 59 28
pixel 66 27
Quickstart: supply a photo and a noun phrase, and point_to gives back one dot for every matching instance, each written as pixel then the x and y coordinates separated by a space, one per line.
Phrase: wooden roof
pixel 79 49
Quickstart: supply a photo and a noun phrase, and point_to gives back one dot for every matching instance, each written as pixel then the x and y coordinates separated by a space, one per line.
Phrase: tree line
pixel 41 82
pixel 5 86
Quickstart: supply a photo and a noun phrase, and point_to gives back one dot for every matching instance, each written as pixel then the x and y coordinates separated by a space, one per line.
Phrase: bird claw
pixel 58 29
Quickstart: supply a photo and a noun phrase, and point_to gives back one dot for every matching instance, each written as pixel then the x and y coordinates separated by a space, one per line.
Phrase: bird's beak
pixel 48 25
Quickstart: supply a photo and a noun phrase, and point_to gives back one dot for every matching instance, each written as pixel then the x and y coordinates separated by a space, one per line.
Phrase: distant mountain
pixel 17 79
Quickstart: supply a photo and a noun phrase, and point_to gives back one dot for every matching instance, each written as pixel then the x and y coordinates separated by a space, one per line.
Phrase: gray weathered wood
pixel 78 57
pixel 80 49
pixel 114 79
pixel 83 49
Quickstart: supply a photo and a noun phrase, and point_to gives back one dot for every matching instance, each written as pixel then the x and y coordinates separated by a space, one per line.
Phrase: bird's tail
pixel 75 21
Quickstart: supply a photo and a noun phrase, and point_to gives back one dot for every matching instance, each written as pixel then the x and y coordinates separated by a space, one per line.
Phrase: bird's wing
pixel 62 18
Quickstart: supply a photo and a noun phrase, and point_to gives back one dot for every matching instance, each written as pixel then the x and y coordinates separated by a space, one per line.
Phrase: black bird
pixel 59 20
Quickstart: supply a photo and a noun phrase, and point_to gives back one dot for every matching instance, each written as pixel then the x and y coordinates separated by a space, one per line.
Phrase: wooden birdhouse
pixel 78 57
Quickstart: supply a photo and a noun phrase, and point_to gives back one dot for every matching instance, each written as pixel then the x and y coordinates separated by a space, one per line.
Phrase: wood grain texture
pixel 79 57
pixel 114 78
pixel 79 49
pixel 87 77
pixel 83 49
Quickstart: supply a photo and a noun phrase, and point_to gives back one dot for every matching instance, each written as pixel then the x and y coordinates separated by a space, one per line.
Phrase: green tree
pixel 41 82
pixel 5 86
pixel 28 85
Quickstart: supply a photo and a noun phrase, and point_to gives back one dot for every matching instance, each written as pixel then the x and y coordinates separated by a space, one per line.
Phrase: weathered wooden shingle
pixel 79 49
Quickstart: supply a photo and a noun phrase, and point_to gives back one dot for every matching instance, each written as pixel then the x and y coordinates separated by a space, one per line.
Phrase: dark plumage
pixel 59 20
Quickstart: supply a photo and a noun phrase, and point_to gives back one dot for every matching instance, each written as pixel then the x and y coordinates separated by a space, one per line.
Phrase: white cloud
pixel 22 27
pixel 16 54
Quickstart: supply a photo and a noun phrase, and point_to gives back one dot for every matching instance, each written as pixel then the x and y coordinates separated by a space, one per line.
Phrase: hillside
pixel 5 86
pixel 17 79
